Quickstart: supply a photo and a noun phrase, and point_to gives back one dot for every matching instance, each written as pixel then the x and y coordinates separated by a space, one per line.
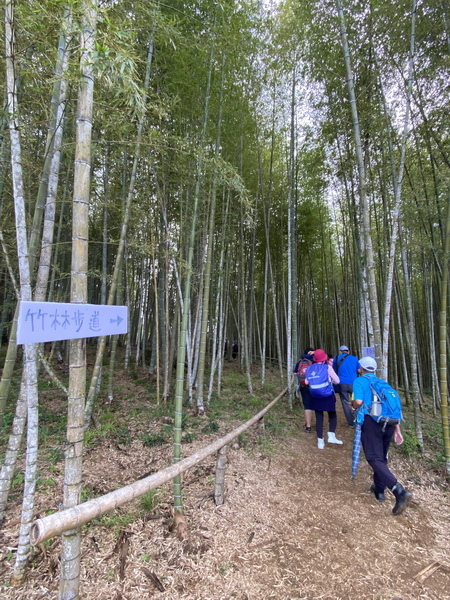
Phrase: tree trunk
pixel 368 254
pixel 30 350
pixel 71 540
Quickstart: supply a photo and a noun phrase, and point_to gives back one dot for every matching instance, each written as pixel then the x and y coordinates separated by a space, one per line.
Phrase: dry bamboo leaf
pixel 123 552
pixel 153 578
pixel 422 575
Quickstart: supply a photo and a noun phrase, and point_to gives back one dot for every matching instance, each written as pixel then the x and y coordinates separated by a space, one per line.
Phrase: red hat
pixel 320 356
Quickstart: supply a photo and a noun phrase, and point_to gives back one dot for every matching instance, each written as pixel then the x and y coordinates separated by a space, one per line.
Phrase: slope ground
pixel 294 525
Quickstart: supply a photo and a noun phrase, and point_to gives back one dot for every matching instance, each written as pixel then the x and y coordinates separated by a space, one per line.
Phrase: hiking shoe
pixel 378 495
pixel 332 439
pixel 307 429
pixel 402 497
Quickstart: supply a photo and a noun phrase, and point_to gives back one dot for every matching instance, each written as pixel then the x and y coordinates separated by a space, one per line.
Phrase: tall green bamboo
pixel 181 354
pixel 443 342
pixel 71 540
pixel 368 254
pixel 123 233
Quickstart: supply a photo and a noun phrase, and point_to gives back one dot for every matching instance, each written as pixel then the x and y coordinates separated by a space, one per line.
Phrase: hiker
pixel 346 366
pixel 305 361
pixel 320 377
pixel 376 437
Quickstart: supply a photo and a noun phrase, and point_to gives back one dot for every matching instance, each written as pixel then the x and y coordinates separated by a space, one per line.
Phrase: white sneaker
pixel 320 443
pixel 332 439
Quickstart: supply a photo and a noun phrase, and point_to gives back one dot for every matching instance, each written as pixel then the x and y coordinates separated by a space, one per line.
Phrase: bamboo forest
pixel 249 179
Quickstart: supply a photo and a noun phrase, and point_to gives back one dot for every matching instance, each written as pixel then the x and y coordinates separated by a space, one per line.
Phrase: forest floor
pixel 293 526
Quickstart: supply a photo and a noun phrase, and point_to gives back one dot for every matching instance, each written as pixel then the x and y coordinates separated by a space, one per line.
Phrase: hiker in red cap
pixel 320 376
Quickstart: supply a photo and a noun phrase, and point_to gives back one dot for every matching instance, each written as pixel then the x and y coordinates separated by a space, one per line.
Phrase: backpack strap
pixel 338 364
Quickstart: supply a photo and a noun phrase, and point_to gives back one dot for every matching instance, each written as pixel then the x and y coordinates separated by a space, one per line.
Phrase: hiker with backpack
pixel 379 414
pixel 305 361
pixel 320 377
pixel 346 366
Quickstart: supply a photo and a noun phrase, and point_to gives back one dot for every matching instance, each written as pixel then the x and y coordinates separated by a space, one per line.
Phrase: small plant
pixel 55 455
pixel 411 446
pixel 124 436
pixel 118 520
pixel 45 484
pixel 18 479
pixel 153 439
pixel 87 494
pixel 223 568
pixel 149 500
pixel 241 440
pixel 211 427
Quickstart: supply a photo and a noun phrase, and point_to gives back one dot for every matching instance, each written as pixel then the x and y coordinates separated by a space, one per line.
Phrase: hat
pixel 320 356
pixel 368 363
pixel 342 348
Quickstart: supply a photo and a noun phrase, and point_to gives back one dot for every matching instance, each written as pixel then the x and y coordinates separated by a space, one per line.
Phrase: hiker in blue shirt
pixel 346 366
pixel 376 438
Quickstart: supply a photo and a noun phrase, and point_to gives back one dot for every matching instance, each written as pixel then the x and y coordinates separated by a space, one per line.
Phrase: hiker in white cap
pixel 376 436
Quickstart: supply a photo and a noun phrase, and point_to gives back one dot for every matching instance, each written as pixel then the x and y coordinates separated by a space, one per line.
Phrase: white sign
pixel 369 351
pixel 51 321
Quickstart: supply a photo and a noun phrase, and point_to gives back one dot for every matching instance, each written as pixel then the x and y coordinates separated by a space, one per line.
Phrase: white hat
pixel 342 348
pixel 368 363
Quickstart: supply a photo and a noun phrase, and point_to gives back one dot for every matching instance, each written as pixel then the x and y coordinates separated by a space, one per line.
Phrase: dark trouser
pixel 345 394
pixel 332 422
pixel 376 442
pixel 306 397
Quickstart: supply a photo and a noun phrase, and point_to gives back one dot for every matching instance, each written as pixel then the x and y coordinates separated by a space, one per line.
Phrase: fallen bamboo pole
pixel 70 518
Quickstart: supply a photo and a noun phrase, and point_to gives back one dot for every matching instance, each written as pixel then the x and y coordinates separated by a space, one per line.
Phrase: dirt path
pixel 294 527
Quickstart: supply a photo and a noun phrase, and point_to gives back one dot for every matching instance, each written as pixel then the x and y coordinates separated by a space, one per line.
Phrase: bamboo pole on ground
pixel 55 524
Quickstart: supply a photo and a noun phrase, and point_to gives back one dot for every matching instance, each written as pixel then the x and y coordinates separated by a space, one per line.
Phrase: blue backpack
pixel 386 404
pixel 319 381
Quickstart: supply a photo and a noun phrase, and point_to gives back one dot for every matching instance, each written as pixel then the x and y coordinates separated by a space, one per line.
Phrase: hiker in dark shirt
pixel 346 366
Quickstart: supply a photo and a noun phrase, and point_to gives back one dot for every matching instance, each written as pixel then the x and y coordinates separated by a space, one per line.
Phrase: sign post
pixel 51 321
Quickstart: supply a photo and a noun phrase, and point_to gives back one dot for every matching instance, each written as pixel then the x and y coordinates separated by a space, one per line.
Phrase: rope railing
pixel 71 518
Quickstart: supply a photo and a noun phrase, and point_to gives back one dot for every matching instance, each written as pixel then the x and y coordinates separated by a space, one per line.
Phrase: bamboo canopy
pixel 55 524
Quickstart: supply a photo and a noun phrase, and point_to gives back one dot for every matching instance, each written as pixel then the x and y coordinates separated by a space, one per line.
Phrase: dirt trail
pixel 294 527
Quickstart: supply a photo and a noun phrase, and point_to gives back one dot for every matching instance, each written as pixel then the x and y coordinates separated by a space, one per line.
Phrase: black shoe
pixel 378 495
pixel 402 497
pixel 307 429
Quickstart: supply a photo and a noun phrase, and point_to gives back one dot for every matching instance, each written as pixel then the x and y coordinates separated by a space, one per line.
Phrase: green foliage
pixel 242 440
pixel 87 493
pixel 45 484
pixel 18 479
pixel 55 455
pixel 150 499
pixel 154 439
pixel 117 519
pixel 211 427
pixel 124 436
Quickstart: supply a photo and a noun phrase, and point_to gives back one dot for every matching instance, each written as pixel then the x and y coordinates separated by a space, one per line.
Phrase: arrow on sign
pixel 118 320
